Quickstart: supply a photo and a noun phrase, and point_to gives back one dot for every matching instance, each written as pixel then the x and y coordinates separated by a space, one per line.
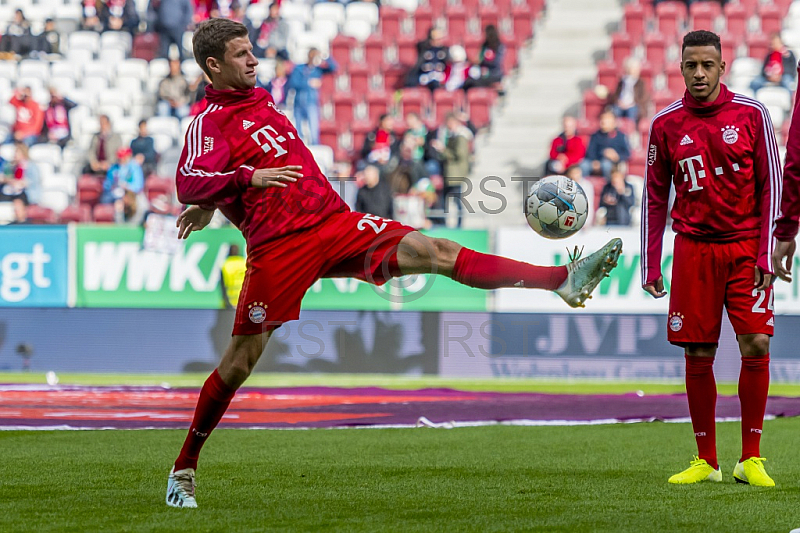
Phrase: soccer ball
pixel 556 207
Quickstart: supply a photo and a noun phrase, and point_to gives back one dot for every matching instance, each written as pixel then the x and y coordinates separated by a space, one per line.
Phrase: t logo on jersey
pixel 687 166
pixel 271 140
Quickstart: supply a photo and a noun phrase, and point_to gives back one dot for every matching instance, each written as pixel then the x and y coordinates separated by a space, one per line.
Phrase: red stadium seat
pixel 76 213
pixel 155 186
pixel 586 128
pixel 457 22
pixel 675 83
pixel 729 45
pixel 343 107
pixel 750 6
pixel 374 53
pixel 328 133
pixel 104 213
pixel 445 102
pixel 784 6
pixel 511 59
pixel 342 50
pixel 415 100
pixel 378 103
pixel 40 215
pixel 145 46
pixel 423 21
pixel 638 162
pixel 608 74
pixel 771 18
pixel 393 77
pixel 634 18
pixel 472 44
pixel 758 45
pixel 489 14
pixel 327 89
pixel 359 130
pixel 89 189
pixel 406 50
pixel 523 22
pixel 536 7
pixel 655 46
pixel 438 6
pixel 621 47
pixel 391 19
pixel 703 15
pixel 592 104
pixel 662 99
pixel 671 16
pixel 359 79
pixel 480 102
pixel 647 74
pixel 735 19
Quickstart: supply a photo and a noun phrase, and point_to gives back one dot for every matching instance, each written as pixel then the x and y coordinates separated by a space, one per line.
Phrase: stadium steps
pixel 562 57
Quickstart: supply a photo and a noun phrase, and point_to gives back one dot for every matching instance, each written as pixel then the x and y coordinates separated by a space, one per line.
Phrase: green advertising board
pixel 113 270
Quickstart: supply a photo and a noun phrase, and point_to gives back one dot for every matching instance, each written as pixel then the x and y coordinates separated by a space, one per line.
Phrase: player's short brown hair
pixel 211 38
pixel 701 38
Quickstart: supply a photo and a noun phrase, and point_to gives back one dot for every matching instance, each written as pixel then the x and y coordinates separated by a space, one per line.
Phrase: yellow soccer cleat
pixel 752 472
pixel 699 471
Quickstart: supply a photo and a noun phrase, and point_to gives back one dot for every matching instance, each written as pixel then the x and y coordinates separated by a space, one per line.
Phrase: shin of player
pixel 718 150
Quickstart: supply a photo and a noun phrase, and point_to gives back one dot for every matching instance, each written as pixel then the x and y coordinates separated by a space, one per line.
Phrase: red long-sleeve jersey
pixel 239 132
pixel 722 159
pixel 786 227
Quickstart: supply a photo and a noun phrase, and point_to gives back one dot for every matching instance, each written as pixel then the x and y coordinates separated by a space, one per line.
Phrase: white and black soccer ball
pixel 556 207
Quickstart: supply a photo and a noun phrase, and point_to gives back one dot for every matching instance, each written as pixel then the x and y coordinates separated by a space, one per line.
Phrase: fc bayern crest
pixel 676 322
pixel 257 312
pixel 730 134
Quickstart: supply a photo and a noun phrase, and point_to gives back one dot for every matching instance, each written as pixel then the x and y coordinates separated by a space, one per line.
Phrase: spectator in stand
pixel 375 196
pixel 143 148
pixel 433 57
pixel 607 147
pixel 306 81
pixel 118 15
pixel 418 132
pixel 49 41
pixel 124 186
pixel 405 163
pixel 379 144
pixel 170 18
pixel 30 118
pixel 18 38
pixel 575 173
pixel 223 8
pixel 103 149
pixel 20 183
pixel 490 60
pixel 452 143
pixel 271 39
pixel 56 119
pixel 458 70
pixel 779 67
pixel 630 99
pixel 277 85
pixel 616 201
pixel 567 149
pixel 90 15
pixel 173 93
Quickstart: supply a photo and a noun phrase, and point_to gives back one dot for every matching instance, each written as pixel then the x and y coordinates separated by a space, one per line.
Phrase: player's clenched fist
pixel 276 177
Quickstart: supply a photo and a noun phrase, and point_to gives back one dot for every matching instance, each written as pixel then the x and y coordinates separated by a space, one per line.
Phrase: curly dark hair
pixel 701 38
pixel 211 38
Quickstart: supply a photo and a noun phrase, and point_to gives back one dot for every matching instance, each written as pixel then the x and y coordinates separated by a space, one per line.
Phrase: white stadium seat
pixel 114 113
pixel 66 69
pixel 116 39
pixel 162 142
pixel 6 212
pixel 114 97
pixel 112 56
pixel 8 70
pixel 409 5
pixel 777 114
pixel 46 153
pixel 132 87
pixel 170 126
pixel 127 126
pixel 84 40
pixel 55 200
pixel 159 68
pixel 60 182
pixel 80 56
pixel 775 96
pixel 360 29
pixel 363 11
pixel 323 155
pixel 100 69
pixel 34 83
pixel 329 11
pixel 325 27
pixel 296 11
pixel 34 68
pixel 191 70
pixel 134 68
pixel 94 84
pixel 63 84
pixel 746 67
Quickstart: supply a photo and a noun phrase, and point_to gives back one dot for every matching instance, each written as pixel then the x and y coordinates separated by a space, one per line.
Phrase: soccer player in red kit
pixel 718 150
pixel 245 158
pixel 787 225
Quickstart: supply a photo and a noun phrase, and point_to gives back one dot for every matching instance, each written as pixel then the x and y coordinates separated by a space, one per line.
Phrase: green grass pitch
pixel 609 478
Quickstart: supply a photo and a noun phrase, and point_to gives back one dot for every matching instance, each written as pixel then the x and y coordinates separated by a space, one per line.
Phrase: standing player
pixel 718 149
pixel 244 157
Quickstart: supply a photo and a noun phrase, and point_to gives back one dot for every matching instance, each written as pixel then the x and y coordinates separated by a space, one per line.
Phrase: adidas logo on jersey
pixel 246 124
pixel 686 140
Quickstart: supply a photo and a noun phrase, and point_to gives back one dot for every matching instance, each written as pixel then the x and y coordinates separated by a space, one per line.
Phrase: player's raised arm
pixel 769 180
pixel 658 177
pixel 199 178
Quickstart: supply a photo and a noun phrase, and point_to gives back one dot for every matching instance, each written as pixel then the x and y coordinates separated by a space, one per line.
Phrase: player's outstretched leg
pixel 418 254
pixel 219 389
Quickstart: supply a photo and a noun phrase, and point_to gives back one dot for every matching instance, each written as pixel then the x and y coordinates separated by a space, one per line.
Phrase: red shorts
pixel 707 276
pixel 280 272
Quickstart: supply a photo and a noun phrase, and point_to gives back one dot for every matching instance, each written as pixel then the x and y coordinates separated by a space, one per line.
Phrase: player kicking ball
pixel 718 150
pixel 245 158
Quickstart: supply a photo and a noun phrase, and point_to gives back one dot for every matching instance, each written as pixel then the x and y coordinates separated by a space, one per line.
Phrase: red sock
pixel 701 389
pixel 753 391
pixel 485 271
pixel 215 396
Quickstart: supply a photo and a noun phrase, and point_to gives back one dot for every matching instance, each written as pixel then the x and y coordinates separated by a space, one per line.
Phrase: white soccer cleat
pixel 180 488
pixel 583 275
